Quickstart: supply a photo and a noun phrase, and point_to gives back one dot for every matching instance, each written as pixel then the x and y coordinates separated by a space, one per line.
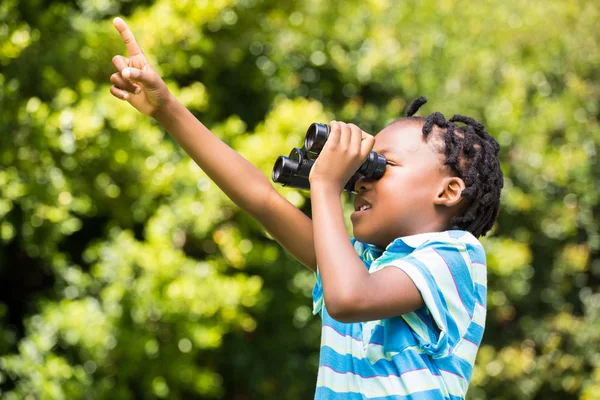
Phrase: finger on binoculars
pixel 355 137
pixel 366 145
pixel 345 135
pixel 334 132
pixel 123 84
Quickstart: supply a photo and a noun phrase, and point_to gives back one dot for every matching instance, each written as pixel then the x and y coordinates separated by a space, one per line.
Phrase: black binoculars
pixel 294 170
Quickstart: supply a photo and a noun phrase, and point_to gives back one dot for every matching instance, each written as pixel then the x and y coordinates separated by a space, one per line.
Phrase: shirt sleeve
pixel 317 293
pixel 441 273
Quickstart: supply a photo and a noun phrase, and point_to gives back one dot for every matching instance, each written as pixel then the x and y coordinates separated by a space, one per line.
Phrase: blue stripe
pixel 394 335
pixel 399 247
pixel 324 393
pixel 317 292
pixel 440 303
pixel 432 329
pixel 455 365
pixel 402 362
pixel 476 253
pixel 363 368
pixel 351 330
pixel 456 234
pixel 480 294
pixel 474 333
pixel 461 274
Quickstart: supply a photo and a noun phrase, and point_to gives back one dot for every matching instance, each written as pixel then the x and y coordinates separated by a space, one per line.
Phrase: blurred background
pixel 126 274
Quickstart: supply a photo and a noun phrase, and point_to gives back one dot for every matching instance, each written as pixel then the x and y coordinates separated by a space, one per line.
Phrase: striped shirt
pixel 425 354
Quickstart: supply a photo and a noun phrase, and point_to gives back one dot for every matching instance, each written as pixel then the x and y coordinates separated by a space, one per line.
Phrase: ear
pixel 450 191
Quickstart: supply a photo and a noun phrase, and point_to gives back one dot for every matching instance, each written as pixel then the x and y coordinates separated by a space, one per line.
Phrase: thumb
pixel 146 75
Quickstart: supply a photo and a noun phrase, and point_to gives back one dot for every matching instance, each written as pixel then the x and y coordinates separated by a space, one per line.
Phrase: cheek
pixel 405 187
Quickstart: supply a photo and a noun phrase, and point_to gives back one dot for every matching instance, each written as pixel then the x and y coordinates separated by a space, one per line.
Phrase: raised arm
pixel 242 182
pixel 138 83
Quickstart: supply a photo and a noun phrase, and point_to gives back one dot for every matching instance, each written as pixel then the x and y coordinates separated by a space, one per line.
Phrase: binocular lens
pixel 316 136
pixel 276 175
pixel 283 169
pixel 285 172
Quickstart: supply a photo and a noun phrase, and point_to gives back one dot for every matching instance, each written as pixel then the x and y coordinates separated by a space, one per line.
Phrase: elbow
pixel 342 307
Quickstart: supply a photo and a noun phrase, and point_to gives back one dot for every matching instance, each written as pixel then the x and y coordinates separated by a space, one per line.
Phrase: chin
pixel 369 238
pixel 362 236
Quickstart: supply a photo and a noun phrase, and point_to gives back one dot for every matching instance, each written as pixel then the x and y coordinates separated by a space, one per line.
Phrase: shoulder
pixel 454 241
pixel 458 250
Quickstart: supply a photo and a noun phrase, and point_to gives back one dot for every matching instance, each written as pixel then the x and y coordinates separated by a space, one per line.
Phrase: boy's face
pixel 402 200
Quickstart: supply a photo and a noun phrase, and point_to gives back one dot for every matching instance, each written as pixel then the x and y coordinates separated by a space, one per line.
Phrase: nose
pixel 363 184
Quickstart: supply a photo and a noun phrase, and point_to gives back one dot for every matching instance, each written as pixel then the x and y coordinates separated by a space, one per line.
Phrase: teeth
pixel 365 207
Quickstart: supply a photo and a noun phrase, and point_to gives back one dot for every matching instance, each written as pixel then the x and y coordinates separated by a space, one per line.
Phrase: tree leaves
pixel 136 277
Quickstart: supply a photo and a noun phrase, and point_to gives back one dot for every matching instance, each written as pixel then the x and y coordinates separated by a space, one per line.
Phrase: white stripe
pixel 346 345
pixel 377 386
pixel 480 273
pixel 457 385
pixel 479 315
pixel 466 350
pixel 417 240
pixel 417 325
pixel 468 238
pixel 466 258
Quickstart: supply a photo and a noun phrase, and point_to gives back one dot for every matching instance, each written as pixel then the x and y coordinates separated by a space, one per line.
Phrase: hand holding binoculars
pixel 294 170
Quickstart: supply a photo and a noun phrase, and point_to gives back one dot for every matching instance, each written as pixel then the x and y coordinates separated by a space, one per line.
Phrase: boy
pixel 403 302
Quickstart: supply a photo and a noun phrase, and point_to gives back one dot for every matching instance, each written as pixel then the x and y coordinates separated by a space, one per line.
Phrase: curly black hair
pixel 473 154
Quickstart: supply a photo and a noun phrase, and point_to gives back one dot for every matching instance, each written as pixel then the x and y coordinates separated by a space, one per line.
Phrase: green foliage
pixel 126 273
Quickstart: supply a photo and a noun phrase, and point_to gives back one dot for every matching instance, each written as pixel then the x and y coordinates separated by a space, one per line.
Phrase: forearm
pixel 342 272
pixel 239 179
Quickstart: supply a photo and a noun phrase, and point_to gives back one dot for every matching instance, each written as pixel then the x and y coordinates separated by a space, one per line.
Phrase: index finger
pixel 132 45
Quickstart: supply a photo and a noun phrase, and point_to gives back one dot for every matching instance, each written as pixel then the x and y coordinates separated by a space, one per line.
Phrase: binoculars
pixel 294 170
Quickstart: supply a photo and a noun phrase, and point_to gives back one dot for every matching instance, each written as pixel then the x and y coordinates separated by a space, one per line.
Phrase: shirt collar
pixel 405 244
pixel 412 241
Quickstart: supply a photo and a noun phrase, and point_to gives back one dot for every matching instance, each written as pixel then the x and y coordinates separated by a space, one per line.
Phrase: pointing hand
pixel 136 81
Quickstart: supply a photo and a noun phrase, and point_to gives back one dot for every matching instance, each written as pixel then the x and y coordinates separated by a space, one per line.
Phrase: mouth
pixel 361 206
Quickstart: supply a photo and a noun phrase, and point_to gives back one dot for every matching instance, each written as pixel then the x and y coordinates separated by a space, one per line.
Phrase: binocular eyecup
pixel 294 170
